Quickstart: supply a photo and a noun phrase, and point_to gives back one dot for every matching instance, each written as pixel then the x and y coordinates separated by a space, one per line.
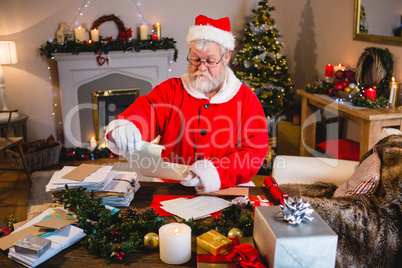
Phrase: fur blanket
pixel 369 228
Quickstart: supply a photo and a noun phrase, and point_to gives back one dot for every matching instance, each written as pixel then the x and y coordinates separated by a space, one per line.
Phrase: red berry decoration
pixel 338 87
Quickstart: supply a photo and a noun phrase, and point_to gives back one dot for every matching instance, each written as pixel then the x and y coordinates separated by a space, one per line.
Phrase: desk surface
pixel 78 255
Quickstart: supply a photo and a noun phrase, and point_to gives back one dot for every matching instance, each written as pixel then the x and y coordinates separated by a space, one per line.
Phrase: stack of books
pixel 116 188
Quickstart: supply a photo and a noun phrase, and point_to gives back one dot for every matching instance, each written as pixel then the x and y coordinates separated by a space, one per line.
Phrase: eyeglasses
pixel 207 63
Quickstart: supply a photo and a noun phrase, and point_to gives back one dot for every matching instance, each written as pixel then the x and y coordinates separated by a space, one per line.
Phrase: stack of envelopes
pixel 53 224
pixel 116 188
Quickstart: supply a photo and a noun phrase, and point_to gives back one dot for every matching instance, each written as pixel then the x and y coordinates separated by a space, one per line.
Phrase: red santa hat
pixel 213 30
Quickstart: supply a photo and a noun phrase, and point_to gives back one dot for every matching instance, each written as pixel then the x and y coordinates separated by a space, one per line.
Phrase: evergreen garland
pixel 320 87
pixel 79 153
pixel 260 64
pixel 105 47
pixel 110 237
pixel 367 102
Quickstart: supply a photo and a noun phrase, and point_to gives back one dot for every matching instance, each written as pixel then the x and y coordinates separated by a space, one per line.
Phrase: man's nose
pixel 202 66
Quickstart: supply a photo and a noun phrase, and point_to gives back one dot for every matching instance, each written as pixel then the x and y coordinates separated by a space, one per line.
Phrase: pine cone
pixel 131 214
pixel 148 215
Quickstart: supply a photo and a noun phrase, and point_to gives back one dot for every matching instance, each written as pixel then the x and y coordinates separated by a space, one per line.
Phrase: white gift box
pixel 309 244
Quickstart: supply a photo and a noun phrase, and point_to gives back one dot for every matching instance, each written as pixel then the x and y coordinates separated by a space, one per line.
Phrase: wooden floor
pixel 14 187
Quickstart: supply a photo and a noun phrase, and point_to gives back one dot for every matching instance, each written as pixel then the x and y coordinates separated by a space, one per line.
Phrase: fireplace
pixel 107 105
pixel 80 75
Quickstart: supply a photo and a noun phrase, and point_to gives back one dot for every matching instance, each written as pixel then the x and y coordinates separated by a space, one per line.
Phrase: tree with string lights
pixel 260 64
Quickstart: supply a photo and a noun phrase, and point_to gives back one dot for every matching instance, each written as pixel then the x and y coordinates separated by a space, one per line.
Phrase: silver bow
pixel 294 210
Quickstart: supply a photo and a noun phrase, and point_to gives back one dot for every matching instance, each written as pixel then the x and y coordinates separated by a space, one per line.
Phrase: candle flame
pixel 176 231
pixel 393 79
pixel 93 138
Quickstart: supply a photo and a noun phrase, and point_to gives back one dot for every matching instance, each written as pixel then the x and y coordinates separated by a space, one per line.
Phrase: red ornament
pixel 339 87
pixel 100 59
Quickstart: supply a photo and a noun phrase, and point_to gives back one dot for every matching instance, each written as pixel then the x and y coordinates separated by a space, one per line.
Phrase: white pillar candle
pixel 95 35
pixel 175 243
pixel 79 34
pixel 144 32
pixel 92 142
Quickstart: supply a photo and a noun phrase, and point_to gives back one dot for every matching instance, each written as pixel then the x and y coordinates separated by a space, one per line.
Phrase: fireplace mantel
pixel 77 70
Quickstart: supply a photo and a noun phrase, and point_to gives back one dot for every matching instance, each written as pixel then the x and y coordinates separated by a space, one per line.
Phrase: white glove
pixel 127 138
pixel 192 180
pixel 203 176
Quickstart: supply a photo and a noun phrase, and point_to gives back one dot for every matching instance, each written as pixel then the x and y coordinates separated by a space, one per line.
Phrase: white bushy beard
pixel 205 83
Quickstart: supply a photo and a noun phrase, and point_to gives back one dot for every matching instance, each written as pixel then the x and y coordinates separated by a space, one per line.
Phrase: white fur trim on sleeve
pixel 208 174
pixel 112 126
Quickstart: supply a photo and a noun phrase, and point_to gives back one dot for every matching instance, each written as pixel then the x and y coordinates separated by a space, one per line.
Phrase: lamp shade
pixel 8 52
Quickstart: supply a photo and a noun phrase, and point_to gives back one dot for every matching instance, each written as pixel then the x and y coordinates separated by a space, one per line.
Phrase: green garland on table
pixel 105 47
pixel 319 87
pixel 112 238
pixel 367 102
pixel 80 153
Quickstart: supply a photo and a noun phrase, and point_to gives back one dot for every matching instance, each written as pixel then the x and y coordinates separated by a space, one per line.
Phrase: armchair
pixel 11 142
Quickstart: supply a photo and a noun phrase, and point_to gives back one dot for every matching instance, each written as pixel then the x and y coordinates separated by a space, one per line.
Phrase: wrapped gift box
pixel 213 242
pixel 207 260
pixel 32 245
pixel 309 244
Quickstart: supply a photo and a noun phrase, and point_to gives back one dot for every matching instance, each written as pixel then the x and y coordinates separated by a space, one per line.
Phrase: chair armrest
pixel 307 170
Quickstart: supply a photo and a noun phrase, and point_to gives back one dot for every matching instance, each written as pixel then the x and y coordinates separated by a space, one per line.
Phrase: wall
pixel 315 33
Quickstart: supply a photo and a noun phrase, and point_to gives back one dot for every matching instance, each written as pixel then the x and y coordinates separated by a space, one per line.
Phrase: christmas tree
pixel 260 64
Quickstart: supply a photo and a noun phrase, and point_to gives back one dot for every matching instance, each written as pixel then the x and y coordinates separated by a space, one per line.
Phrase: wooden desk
pixel 20 121
pixel 77 255
pixel 371 120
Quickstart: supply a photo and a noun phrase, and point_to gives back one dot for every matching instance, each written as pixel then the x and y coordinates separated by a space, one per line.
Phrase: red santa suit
pixel 224 139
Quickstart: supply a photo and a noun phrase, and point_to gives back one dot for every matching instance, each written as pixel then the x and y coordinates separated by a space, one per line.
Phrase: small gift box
pixel 32 245
pixel 214 242
pixel 309 244
pixel 242 253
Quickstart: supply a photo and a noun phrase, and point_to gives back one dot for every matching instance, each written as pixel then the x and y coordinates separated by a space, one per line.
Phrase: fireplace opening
pixel 108 104
pixel 107 83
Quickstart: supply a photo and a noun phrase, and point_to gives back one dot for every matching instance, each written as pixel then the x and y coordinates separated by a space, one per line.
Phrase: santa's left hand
pixel 192 180
pixel 203 176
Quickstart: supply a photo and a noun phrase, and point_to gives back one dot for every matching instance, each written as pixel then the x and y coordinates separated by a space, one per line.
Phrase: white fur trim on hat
pixel 208 32
pixel 208 174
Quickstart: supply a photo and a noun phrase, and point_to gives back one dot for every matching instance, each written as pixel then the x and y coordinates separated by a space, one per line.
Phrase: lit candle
pixel 370 93
pixel 175 243
pixel 158 30
pixel 339 67
pixel 144 32
pixel 79 34
pixel 329 69
pixel 95 35
pixel 92 142
pixel 394 88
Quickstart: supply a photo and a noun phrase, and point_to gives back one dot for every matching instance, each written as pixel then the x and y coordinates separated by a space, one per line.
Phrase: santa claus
pixel 206 118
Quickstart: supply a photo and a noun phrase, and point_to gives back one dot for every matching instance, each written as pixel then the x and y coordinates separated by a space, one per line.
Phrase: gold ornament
pixel 151 241
pixel 347 89
pixel 235 232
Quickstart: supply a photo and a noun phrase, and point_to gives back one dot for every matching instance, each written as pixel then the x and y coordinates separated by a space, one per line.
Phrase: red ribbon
pixel 245 255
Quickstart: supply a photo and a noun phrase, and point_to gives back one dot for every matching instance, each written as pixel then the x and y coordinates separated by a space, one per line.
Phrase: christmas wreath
pixel 124 33
pixel 384 65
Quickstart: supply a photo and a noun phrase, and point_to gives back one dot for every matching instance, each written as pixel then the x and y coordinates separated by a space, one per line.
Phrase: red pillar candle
pixel 370 93
pixel 329 69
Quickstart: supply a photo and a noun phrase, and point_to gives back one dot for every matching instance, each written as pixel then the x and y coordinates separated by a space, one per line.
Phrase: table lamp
pixel 8 55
